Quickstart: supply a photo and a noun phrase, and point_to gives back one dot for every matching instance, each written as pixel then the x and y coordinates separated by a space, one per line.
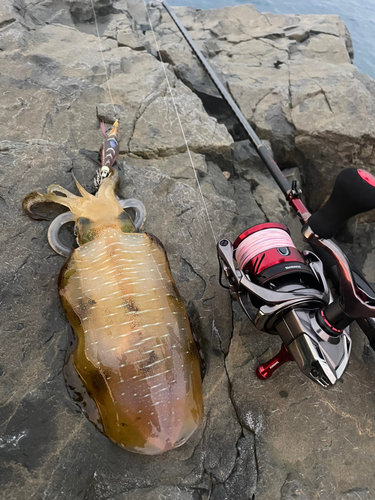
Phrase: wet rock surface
pixel 293 78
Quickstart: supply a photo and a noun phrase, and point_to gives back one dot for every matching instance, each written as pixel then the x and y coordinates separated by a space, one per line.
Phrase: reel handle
pixel 352 194
pixel 265 370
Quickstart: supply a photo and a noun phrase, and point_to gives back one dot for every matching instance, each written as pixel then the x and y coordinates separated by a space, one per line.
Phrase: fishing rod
pixel 284 291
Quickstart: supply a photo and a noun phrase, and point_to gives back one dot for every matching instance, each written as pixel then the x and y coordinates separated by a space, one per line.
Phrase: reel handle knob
pixel 265 370
pixel 352 194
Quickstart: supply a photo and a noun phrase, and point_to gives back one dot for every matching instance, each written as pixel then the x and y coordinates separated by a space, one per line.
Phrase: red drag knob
pixel 265 370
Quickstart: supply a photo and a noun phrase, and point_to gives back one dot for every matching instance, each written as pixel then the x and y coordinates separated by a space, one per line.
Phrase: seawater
pixel 358 15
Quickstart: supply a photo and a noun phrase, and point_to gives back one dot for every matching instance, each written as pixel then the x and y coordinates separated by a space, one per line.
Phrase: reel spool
pixel 267 255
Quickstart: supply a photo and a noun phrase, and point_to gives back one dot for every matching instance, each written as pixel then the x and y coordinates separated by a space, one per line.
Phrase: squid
pixel 134 367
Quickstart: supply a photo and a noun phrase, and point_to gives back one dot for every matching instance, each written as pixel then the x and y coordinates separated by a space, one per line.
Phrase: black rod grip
pixel 353 193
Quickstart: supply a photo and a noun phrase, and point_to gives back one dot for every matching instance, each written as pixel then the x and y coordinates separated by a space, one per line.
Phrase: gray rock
pixel 165 493
pixel 7 14
pixel 157 131
pixel 13 35
pixel 128 39
pixel 291 75
pixel 330 48
pixel 295 487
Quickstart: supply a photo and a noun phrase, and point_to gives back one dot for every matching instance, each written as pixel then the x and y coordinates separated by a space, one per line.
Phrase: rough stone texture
pixel 292 77
pixel 281 439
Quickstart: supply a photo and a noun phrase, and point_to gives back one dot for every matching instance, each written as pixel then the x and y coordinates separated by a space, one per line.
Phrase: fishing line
pixel 260 242
pixel 179 121
pixel 104 64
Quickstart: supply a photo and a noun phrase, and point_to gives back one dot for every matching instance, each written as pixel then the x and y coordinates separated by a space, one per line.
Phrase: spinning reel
pixel 285 292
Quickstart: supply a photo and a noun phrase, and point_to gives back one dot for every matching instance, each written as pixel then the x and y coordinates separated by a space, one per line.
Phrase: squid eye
pixel 139 211
pixel 84 230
